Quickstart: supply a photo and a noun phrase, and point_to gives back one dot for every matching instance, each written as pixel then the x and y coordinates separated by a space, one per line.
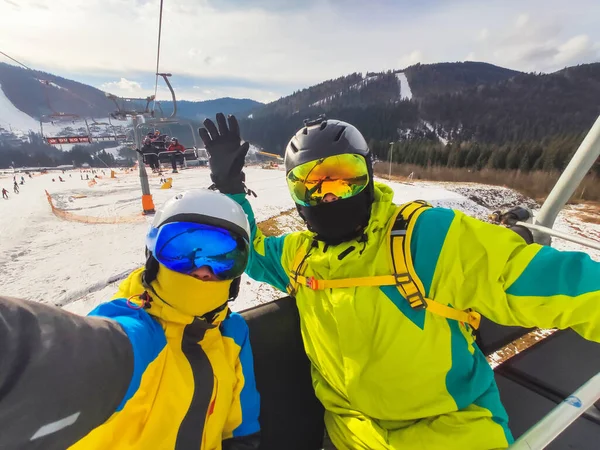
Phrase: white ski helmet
pixel 206 207
pixel 199 206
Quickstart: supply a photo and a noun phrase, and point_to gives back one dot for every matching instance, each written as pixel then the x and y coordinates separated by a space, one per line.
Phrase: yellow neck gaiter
pixel 187 294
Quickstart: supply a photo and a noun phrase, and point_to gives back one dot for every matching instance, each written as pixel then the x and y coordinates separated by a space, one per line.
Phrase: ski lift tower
pixel 126 110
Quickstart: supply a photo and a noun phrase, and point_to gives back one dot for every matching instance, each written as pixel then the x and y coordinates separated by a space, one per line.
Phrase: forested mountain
pixel 441 78
pixel 466 114
pixel 460 114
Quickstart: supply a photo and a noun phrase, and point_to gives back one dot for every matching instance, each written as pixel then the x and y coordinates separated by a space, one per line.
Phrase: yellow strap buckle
pixel 474 319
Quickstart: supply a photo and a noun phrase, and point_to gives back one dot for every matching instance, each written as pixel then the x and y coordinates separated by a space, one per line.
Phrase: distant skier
pixel 87 176
pixel 165 365
pixel 60 179
pixel 389 295
pixel 22 179
pixel 4 194
pixel 175 147
pixel 16 187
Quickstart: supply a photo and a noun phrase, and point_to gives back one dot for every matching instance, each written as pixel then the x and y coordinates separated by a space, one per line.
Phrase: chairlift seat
pixel 190 154
pixel 165 157
pixel 292 417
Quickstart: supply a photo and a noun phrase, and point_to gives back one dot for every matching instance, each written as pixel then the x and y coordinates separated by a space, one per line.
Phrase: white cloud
pixel 123 85
pixel 522 20
pixel 193 52
pixel 577 48
pixel 411 58
pixel 471 57
pixel 484 33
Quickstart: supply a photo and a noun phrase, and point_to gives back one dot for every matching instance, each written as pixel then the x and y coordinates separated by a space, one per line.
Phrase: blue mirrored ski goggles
pixel 184 247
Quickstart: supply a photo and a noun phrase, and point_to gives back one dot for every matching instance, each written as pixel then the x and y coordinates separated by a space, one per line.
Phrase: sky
pixel 266 49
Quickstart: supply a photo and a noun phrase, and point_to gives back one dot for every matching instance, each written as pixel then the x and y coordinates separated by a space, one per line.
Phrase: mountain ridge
pixel 461 114
pixel 37 94
pixel 473 115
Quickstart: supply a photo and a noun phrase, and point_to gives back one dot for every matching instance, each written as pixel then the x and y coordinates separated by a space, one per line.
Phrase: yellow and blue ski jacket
pixel 393 377
pixel 193 385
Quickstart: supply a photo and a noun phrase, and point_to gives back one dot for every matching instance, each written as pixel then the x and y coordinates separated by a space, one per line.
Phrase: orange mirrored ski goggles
pixel 342 176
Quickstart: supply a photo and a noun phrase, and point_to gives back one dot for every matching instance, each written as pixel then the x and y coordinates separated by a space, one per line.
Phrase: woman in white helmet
pixel 171 368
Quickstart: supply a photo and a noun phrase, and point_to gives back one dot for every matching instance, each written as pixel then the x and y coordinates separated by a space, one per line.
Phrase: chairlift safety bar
pixel 579 166
pixel 563 415
pixel 559 234
pixel 556 421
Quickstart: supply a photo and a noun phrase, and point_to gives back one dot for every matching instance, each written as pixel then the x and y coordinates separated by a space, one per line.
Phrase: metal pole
pixel 559 234
pixel 563 415
pixel 87 127
pixel 582 161
pixel 390 172
pixel 147 203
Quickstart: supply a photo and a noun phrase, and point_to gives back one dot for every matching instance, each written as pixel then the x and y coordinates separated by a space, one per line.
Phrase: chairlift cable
pixel 18 62
pixel 158 54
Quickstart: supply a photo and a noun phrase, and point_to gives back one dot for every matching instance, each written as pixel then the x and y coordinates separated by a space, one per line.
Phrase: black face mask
pixel 339 221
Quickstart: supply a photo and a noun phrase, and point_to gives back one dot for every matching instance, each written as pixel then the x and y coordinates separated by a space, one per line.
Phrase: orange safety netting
pixel 66 215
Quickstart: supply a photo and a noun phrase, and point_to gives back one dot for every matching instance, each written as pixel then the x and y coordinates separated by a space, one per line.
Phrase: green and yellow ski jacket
pixel 393 377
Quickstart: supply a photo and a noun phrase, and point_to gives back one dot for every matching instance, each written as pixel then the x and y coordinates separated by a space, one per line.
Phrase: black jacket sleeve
pixel 61 375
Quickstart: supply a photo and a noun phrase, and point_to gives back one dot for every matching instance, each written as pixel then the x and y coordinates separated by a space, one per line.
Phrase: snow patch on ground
pixel 405 91
pixel 51 83
pixel 113 151
pixel 431 128
pixel 355 87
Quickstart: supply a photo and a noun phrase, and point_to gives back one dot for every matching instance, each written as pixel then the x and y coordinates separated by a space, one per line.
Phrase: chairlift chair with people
pixel 158 123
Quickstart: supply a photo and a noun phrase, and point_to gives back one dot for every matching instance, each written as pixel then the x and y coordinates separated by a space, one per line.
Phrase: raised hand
pixel 226 152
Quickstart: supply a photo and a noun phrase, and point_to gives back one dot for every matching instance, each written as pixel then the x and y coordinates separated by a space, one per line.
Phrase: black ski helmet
pixel 343 219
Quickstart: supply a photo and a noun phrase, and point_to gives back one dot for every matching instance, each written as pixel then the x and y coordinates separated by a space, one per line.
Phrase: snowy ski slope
pixel 405 92
pixel 13 118
pixel 51 260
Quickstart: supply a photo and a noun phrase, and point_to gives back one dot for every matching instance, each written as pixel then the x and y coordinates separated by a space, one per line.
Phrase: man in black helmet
pixel 389 295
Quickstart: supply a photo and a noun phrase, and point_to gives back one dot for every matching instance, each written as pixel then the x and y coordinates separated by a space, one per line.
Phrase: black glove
pixel 511 216
pixel 226 153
